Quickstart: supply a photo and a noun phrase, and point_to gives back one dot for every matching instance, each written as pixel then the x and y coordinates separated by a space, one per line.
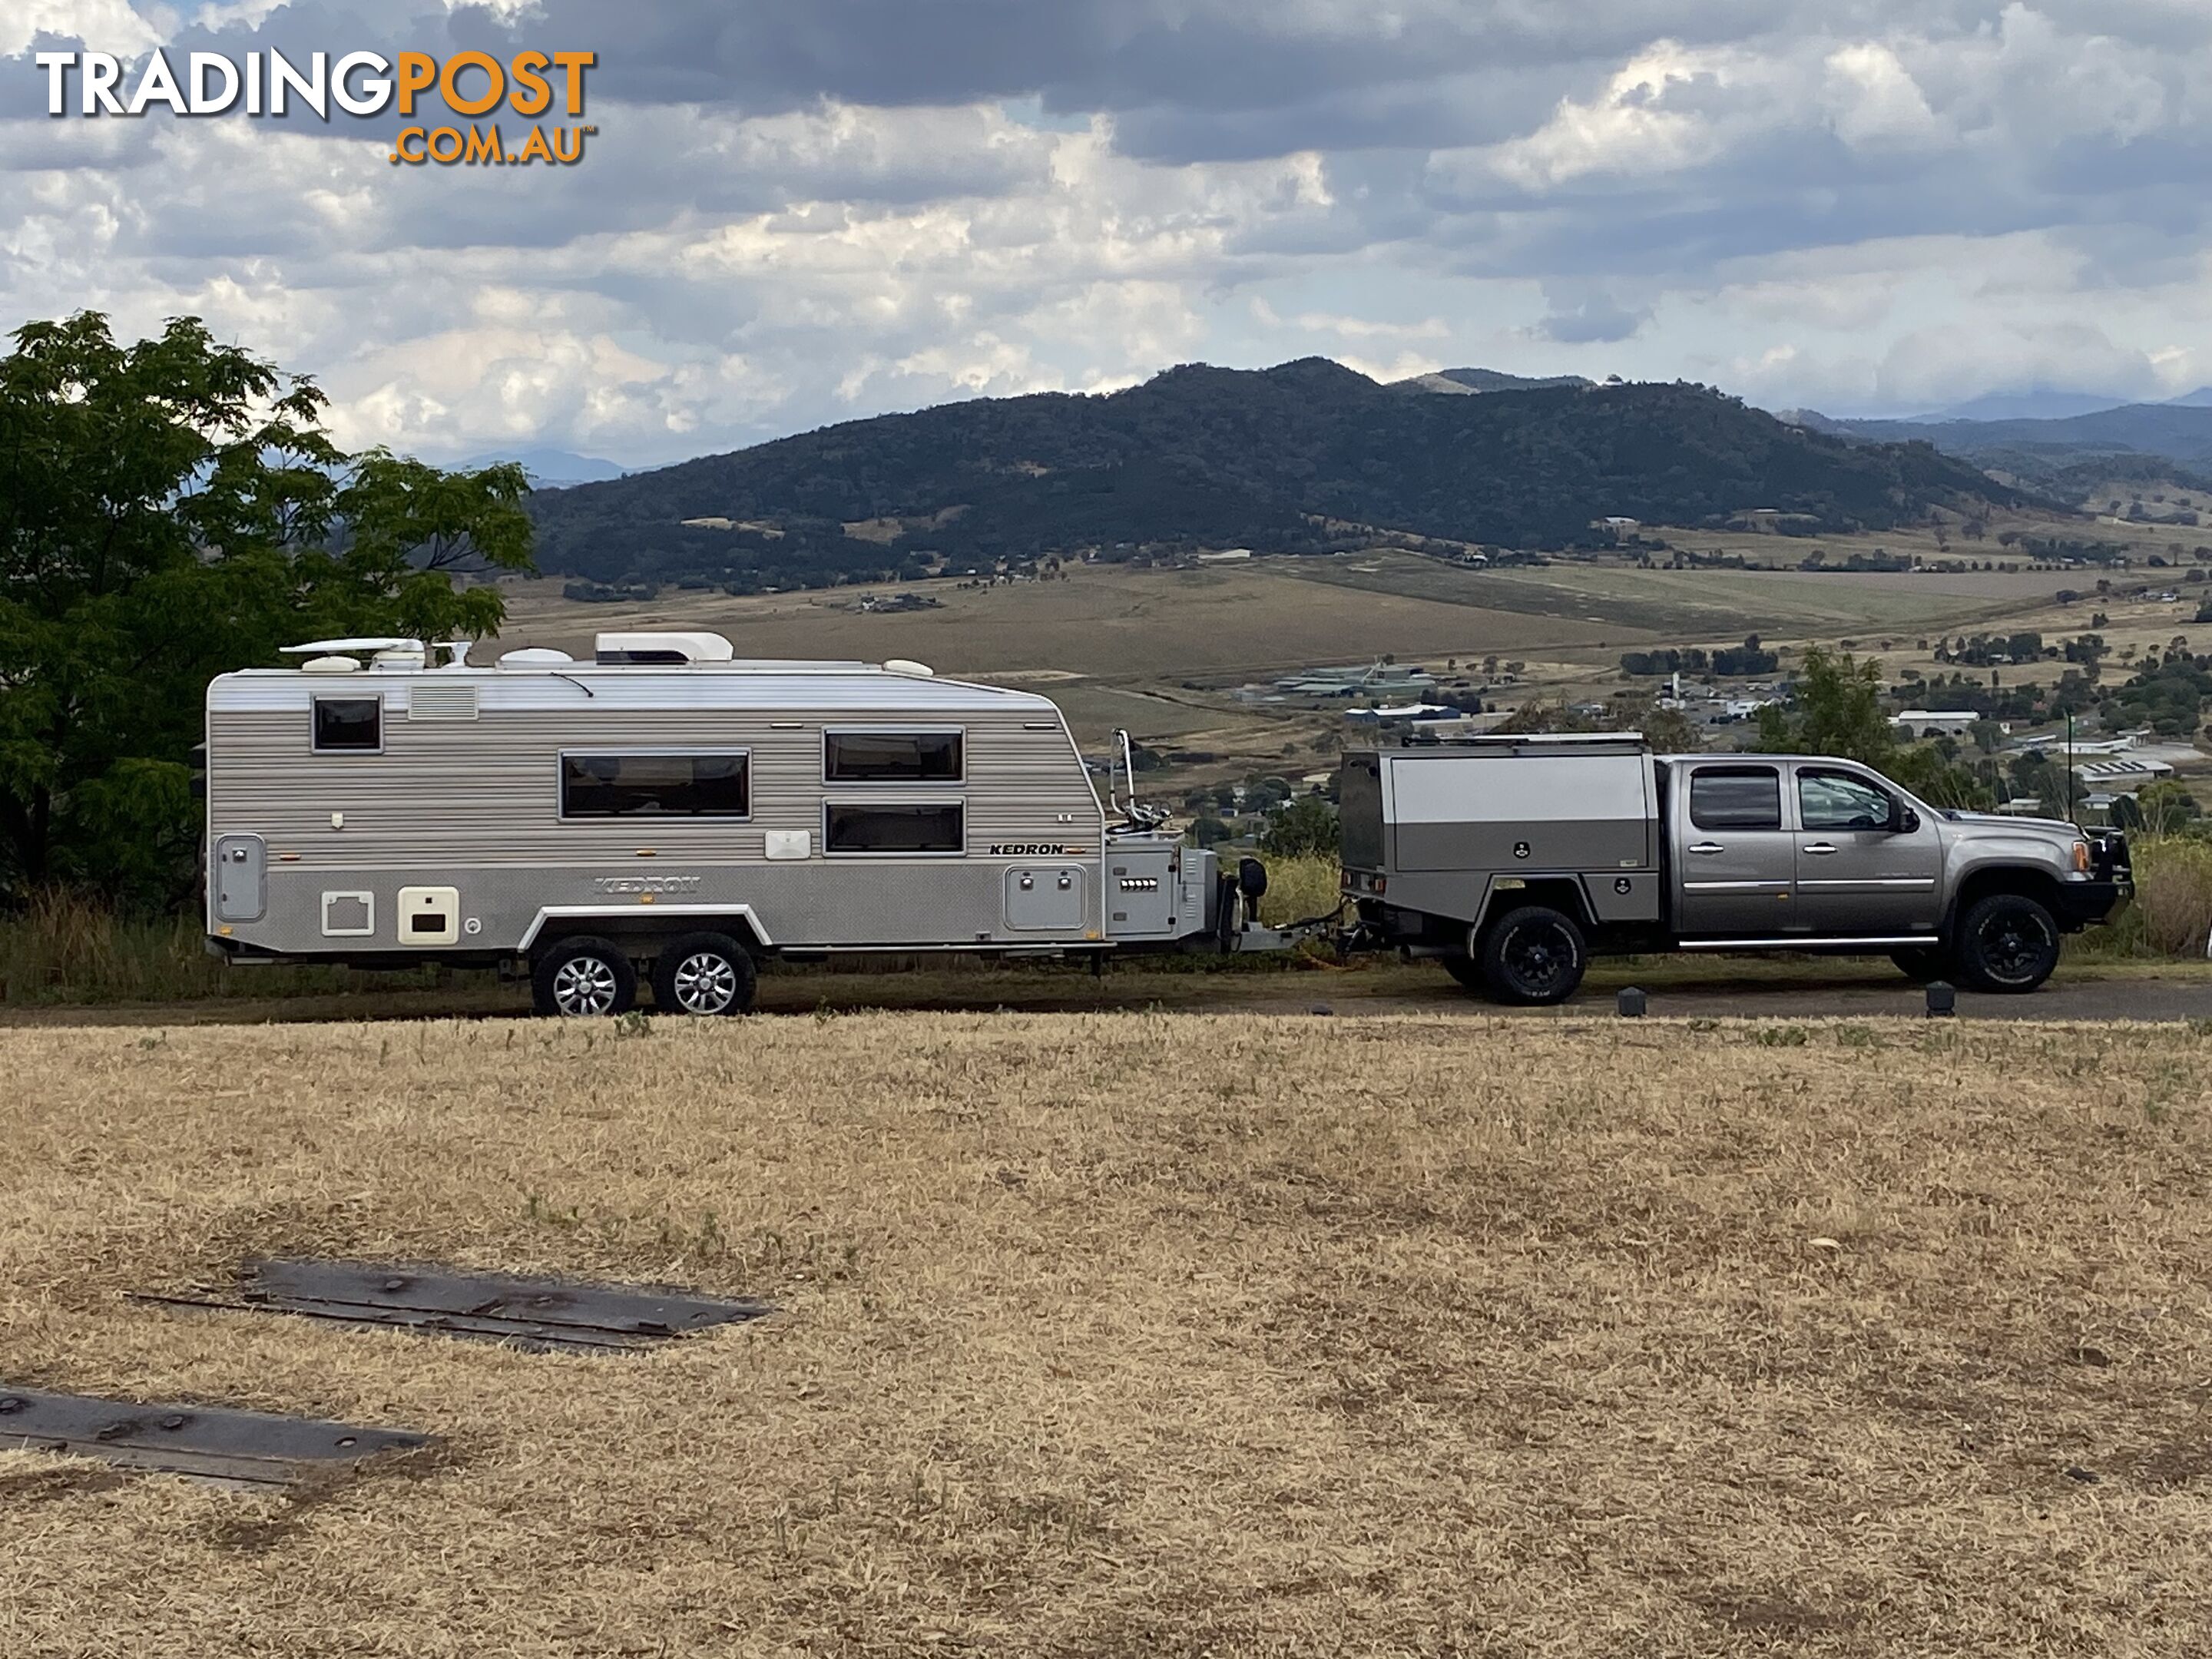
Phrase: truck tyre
pixel 2006 942
pixel 703 974
pixel 1922 965
pixel 1533 955
pixel 584 979
pixel 1467 971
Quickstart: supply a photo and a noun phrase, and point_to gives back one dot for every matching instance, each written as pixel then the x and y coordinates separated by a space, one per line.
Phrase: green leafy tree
pixel 1837 711
pixel 171 509
pixel 1304 828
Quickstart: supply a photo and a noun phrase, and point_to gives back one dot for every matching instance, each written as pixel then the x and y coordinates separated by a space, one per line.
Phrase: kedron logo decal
pixel 648 884
pixel 1032 849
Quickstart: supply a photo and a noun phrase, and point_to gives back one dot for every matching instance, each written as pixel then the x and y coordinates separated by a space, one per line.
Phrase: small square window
pixel 348 725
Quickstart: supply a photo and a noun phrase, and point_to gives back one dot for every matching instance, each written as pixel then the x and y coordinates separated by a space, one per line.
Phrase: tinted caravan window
pixel 853 828
pixel 1736 798
pixel 344 724
pixel 654 785
pixel 891 756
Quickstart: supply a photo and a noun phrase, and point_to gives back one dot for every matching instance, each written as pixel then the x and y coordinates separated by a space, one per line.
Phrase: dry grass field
pixel 1147 1335
pixel 1103 621
pixel 1703 606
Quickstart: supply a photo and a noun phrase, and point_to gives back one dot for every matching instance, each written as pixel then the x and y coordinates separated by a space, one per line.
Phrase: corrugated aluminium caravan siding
pixel 451 795
pixel 488 792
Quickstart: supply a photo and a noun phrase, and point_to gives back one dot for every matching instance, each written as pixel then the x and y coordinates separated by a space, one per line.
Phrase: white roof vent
pixel 662 650
pixel 534 656
pixel 916 670
pixel 329 665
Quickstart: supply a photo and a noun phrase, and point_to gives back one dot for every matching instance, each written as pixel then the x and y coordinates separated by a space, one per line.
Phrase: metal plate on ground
pixel 208 1442
pixel 539 1314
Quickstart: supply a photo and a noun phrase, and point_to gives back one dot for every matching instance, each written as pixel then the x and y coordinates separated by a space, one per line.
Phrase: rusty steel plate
pixel 208 1442
pixel 538 1314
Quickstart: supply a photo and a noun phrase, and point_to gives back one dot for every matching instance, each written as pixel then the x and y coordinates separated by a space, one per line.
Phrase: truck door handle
pixel 1707 847
pixel 1818 847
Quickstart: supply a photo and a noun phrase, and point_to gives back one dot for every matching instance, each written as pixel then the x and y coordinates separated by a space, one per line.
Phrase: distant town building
pixel 1935 722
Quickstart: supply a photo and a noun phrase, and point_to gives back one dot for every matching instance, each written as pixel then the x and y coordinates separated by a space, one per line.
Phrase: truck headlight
pixel 2081 858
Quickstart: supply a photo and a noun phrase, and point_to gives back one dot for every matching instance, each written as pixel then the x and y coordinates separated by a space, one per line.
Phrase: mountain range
pixel 1304 457
pixel 2051 452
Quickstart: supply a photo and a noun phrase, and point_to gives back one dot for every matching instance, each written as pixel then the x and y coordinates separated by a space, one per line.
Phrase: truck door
pixel 1735 861
pixel 1859 872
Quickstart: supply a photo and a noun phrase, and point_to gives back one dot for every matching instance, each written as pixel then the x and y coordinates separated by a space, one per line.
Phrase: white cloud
pixel 796 215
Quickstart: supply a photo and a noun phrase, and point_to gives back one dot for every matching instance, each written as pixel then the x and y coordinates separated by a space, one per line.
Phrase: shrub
pixel 2173 894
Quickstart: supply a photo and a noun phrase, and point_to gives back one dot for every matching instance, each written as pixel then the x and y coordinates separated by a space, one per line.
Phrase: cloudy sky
pixel 798 211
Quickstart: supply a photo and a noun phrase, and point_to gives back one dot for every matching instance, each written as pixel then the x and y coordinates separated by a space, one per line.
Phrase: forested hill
pixel 1281 459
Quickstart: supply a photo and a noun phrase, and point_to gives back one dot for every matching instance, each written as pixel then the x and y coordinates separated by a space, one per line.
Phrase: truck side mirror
pixel 1906 820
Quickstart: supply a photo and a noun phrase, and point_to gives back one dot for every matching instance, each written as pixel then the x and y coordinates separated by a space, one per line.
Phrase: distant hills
pixel 1301 457
pixel 1463 380
pixel 2054 451
pixel 550 469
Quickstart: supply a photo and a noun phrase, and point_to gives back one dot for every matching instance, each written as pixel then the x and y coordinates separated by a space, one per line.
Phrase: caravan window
pixel 716 785
pixel 855 827
pixel 891 757
pixel 348 725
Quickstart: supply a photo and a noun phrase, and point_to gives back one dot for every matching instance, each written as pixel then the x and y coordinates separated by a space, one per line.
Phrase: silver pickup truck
pixel 1512 860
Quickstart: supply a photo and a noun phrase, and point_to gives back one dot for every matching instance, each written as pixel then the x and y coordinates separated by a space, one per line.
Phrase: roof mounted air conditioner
pixel 661 649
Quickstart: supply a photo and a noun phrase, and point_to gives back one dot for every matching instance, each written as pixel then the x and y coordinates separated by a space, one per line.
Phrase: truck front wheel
pixel 1533 955
pixel 2006 942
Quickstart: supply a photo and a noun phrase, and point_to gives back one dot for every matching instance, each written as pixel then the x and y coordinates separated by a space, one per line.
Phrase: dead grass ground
pixel 1137 1335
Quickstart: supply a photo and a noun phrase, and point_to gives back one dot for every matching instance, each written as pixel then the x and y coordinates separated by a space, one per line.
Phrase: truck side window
pixel 1736 798
pixel 1835 800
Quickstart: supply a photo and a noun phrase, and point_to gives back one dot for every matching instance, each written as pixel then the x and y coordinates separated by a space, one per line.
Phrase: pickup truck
pixel 1512 861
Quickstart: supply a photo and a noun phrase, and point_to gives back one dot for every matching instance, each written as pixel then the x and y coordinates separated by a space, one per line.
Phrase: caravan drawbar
pixel 670 812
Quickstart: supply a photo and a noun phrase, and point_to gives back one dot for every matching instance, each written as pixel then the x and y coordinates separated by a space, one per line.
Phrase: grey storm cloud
pixel 793 213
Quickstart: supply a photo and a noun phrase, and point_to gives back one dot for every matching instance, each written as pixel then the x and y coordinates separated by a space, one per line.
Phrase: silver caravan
pixel 670 812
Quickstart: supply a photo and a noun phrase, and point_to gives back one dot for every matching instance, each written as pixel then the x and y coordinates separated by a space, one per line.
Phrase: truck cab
pixel 1512 860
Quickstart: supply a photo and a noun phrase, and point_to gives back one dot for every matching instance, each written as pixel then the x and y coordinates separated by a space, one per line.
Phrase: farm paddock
pixel 1145 1334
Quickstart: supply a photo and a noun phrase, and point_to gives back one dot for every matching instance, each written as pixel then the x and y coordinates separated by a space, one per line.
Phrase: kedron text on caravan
pixel 359 83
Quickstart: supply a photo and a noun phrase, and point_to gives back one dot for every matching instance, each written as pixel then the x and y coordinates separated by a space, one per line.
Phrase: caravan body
pixel 397 812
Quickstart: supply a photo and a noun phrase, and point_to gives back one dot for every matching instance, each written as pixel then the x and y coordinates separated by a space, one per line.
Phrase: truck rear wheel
pixel 2006 942
pixel 1533 955
pixel 703 974
pixel 584 979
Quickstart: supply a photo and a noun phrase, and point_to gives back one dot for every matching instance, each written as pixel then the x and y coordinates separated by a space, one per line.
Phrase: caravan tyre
pixel 584 979
pixel 703 974
pixel 1533 955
